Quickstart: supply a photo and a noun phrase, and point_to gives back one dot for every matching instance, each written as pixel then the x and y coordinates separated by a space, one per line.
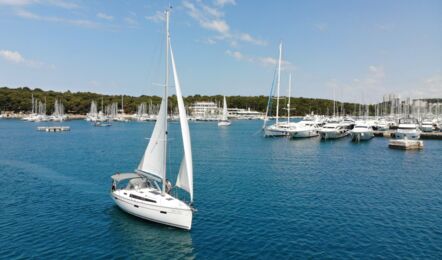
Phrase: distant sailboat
pixel 278 128
pixel 147 192
pixel 224 119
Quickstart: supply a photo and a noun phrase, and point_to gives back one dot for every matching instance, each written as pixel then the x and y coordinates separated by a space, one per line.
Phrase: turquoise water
pixel 256 197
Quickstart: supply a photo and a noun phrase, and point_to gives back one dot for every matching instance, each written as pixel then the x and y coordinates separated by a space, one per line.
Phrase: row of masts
pixel 38 111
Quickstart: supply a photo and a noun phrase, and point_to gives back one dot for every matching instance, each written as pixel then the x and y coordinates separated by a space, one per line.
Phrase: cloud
pixel 78 22
pixel 322 27
pixel 17 58
pixel 105 16
pixel 429 87
pixel 130 21
pixel 61 4
pixel 224 2
pixel 17 2
pixel 263 61
pixel 12 56
pixel 385 27
pixel 22 3
pixel 212 19
pixel 157 17
pixel 235 54
pixel 248 38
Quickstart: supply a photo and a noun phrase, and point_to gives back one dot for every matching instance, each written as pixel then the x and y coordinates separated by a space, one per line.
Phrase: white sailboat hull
pixel 224 123
pixel 274 132
pixel 180 217
pixel 304 133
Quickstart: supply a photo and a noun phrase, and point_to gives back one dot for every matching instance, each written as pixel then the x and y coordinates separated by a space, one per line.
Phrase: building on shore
pixel 241 113
pixel 205 111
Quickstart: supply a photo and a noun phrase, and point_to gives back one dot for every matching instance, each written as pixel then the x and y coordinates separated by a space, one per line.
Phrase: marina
pixel 221 129
pixel 307 188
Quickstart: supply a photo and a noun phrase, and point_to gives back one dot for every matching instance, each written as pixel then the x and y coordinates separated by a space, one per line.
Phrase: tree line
pixel 19 100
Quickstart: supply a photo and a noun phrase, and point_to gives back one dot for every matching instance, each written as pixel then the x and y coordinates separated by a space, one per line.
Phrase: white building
pixel 204 111
pixel 240 113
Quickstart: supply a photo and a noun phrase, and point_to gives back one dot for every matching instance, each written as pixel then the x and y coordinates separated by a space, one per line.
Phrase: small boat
pixel 408 128
pixel 102 124
pixel 224 119
pixel 333 131
pixel 428 125
pixel 147 193
pixel 361 132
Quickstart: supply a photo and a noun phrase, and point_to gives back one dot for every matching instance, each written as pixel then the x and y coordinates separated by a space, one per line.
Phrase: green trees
pixel 19 100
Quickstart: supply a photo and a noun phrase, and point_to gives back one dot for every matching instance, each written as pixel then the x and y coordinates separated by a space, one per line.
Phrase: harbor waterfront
pixel 256 197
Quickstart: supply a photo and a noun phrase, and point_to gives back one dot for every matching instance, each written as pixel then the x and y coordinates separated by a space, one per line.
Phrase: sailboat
pixel 148 192
pixel 277 129
pixel 224 119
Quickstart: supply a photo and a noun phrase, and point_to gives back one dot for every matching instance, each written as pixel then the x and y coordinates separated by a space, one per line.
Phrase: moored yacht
pixel 408 128
pixel 361 132
pixel 333 131
pixel 427 125
pixel 278 128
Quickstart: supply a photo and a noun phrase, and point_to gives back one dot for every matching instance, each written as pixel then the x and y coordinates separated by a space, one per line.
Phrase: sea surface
pixel 257 198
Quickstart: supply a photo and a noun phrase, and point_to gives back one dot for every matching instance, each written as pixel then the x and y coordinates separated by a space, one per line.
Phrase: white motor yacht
pixel 304 129
pixel 427 125
pixel 361 132
pixel 408 128
pixel 333 131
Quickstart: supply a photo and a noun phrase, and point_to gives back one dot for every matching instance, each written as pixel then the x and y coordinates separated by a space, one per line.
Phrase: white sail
pixel 153 161
pixel 224 109
pixel 185 175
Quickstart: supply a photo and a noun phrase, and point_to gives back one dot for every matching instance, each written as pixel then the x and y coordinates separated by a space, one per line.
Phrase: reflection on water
pixel 145 239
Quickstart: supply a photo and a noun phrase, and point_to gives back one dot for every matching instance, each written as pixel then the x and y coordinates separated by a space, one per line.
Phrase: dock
pixel 424 135
pixel 404 144
pixel 53 128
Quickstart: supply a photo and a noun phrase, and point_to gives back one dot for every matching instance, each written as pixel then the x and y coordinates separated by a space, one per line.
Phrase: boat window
pixel 141 198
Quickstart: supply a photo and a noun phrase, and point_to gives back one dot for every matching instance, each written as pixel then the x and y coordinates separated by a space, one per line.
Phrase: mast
pixel 278 83
pixel 122 105
pixel 288 103
pixel 334 103
pixel 32 103
pixel 166 84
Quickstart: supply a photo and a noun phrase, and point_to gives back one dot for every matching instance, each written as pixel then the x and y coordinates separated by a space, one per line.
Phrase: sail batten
pixel 185 174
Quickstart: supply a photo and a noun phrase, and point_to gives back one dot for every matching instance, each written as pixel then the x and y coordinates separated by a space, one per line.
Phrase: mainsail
pixel 185 175
pixel 224 109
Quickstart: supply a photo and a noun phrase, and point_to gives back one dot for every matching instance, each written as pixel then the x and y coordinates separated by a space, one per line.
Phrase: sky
pixel 350 50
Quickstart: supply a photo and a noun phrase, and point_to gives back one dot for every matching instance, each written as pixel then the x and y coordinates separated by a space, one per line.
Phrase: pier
pixel 53 128
pixel 406 144
pixel 424 135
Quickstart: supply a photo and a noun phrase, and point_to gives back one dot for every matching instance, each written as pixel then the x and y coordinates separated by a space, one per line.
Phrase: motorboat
pixel 408 128
pixel 333 131
pixel 361 132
